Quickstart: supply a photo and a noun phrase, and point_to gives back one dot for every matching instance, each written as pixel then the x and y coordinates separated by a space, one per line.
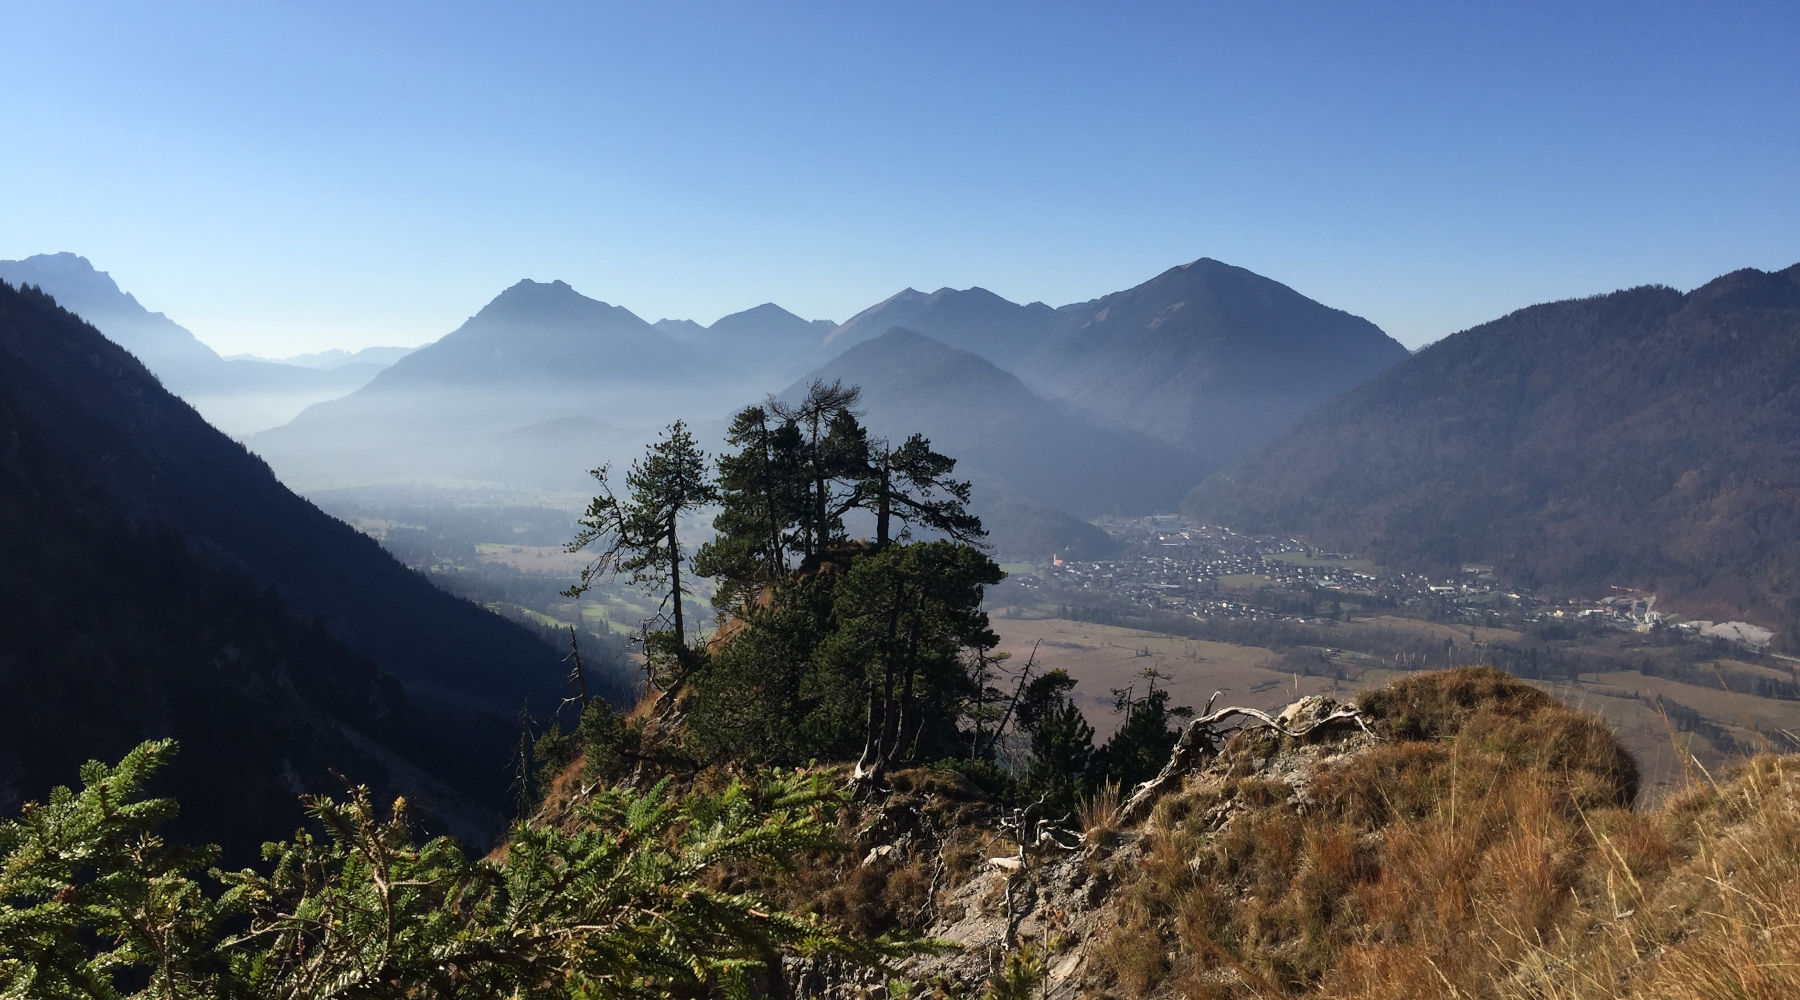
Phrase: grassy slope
pixel 1484 848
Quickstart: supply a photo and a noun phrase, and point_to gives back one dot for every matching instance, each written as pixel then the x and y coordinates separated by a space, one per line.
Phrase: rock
pixel 1306 711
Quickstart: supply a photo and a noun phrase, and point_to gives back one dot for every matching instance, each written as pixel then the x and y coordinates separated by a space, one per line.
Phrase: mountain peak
pixel 67 276
pixel 63 258
pixel 552 301
pixel 1752 287
pixel 766 315
pixel 1208 264
pixel 527 286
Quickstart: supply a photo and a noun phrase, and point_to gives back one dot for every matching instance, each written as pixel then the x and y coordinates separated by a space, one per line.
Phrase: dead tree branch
pixel 1202 736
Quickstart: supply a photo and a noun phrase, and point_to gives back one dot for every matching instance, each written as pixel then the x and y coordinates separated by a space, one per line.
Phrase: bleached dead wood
pixel 1202 736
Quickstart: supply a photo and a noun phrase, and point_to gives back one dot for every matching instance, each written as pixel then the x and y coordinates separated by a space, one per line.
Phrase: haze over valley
pixel 874 502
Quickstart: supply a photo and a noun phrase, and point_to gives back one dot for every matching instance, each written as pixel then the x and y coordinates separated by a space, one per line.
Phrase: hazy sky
pixel 282 177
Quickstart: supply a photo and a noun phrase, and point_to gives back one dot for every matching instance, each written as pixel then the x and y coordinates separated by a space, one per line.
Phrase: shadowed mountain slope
pixel 1644 438
pixel 537 353
pixel 239 396
pixel 998 429
pixel 105 437
pixel 1208 357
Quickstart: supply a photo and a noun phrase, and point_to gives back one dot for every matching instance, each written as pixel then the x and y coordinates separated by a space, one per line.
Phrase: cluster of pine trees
pixel 835 648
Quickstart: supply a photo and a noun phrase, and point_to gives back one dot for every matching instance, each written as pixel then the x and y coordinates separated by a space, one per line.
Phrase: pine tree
pixel 904 617
pixel 1142 743
pixel 912 484
pixel 640 534
pixel 834 450
pixel 1062 743
pixel 760 492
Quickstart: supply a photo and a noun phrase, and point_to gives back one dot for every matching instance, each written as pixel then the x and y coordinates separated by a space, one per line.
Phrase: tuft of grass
pixel 1099 812
pixel 1487 848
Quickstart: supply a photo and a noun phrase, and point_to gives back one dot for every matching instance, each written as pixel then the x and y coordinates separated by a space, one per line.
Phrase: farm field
pixel 1433 630
pixel 551 560
pixel 1103 657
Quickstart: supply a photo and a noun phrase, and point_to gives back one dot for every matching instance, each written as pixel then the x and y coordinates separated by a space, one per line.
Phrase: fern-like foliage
pixel 635 902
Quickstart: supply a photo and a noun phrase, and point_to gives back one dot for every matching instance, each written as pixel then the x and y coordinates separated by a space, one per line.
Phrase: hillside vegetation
pixel 1460 834
pixel 1644 438
pixel 1482 846
pixel 1477 841
pixel 158 581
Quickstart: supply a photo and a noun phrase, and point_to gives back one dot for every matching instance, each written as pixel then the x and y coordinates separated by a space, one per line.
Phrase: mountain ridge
pixel 1207 356
pixel 240 395
pixel 161 468
pixel 994 425
pixel 1641 437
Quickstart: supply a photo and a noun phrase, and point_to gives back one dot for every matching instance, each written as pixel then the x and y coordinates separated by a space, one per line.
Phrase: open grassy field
pixel 1434 630
pixel 1102 657
pixel 550 560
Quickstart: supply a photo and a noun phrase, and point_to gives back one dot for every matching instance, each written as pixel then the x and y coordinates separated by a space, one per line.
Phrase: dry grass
pixel 929 832
pixel 1486 849
pixel 1099 812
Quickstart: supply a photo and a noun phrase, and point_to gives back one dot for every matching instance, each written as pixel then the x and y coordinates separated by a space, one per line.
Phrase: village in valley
pixel 1175 567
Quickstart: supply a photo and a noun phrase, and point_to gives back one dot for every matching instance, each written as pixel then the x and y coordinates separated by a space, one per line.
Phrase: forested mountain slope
pixel 1643 438
pixel 238 395
pixel 188 546
pixel 998 429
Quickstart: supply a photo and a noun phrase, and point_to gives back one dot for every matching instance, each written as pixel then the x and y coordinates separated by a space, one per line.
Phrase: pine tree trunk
pixel 775 566
pixel 675 580
pixel 884 510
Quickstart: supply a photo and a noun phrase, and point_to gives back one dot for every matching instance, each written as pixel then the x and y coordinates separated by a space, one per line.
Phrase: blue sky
pixel 282 177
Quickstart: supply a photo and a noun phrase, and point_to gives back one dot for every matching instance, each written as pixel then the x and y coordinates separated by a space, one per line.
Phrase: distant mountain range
pixel 755 336
pixel 500 394
pixel 1115 405
pixel 155 579
pixel 998 430
pixel 1643 438
pixel 973 319
pixel 1206 357
pixel 335 357
pixel 239 396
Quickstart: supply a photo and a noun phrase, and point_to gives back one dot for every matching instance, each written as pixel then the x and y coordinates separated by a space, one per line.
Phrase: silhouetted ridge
pixel 152 467
pixel 238 395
